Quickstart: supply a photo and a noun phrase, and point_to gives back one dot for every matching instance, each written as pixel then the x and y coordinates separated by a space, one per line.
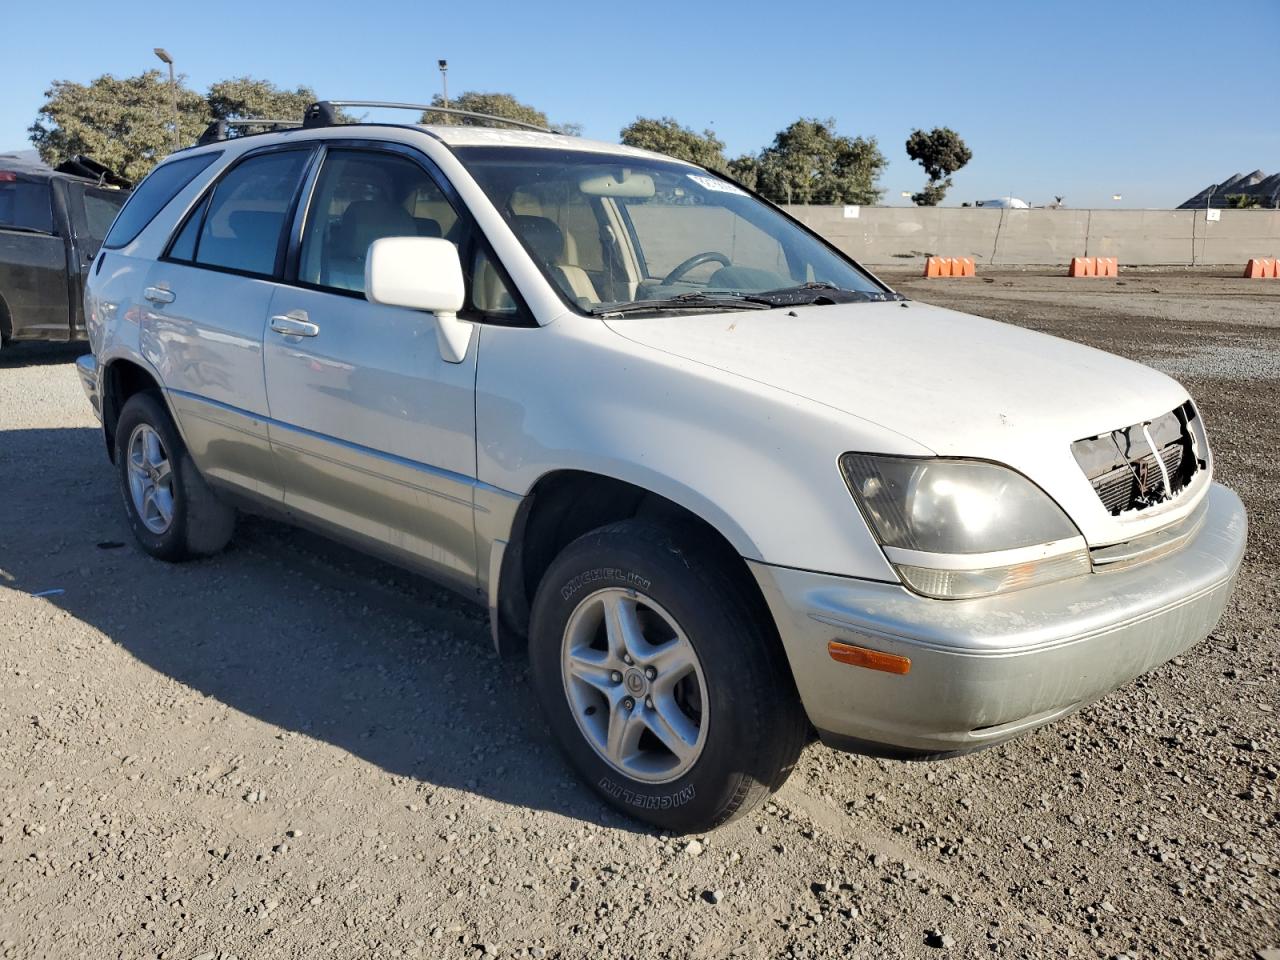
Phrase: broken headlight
pixel 957 529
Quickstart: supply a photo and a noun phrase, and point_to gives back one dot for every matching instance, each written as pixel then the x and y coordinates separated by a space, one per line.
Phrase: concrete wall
pixel 888 236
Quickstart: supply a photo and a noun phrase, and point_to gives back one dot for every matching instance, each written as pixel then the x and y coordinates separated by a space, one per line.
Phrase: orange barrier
pixel 949 267
pixel 1094 267
pixel 1263 268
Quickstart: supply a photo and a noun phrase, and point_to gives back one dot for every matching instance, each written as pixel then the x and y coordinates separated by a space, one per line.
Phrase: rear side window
pixel 184 246
pixel 244 223
pixel 160 186
pixel 25 206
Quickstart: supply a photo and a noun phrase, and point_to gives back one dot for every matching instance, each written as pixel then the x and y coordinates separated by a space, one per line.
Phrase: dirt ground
pixel 292 751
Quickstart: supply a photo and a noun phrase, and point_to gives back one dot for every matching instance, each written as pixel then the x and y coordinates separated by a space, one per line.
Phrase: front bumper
pixel 985 670
pixel 87 367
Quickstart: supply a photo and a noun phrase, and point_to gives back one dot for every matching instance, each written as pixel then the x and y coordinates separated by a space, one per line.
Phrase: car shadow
pixel 292 629
pixel 40 353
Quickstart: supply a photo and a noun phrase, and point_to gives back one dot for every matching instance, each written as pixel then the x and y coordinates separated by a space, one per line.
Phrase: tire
pixel 198 524
pixel 733 715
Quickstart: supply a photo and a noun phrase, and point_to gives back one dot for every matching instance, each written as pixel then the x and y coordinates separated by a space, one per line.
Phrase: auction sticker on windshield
pixel 712 183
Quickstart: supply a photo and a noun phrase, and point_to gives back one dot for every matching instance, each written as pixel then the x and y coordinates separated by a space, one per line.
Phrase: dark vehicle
pixel 52 222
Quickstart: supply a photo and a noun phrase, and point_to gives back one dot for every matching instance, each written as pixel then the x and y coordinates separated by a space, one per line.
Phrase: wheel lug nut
pixel 648 702
pixel 616 677
pixel 628 703
pixel 650 672
pixel 626 659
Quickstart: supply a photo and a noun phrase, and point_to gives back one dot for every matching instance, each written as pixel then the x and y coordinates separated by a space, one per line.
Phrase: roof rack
pixel 324 113
pixel 217 130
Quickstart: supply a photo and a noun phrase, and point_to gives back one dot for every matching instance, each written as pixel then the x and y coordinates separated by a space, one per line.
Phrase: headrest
pixel 428 227
pixel 365 221
pixel 542 236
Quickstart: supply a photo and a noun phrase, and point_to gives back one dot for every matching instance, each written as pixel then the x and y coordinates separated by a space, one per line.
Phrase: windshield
pixel 611 231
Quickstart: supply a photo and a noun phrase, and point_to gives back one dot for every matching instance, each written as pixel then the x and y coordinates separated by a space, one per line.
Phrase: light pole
pixel 173 88
pixel 444 83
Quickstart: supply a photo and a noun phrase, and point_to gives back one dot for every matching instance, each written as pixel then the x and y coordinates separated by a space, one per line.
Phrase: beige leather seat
pixel 363 222
pixel 488 293
pixel 547 242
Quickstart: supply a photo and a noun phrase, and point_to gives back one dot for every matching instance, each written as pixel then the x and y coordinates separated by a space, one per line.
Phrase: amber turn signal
pixel 871 659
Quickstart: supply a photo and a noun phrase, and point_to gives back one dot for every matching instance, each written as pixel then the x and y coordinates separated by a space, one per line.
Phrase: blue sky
pixel 1151 101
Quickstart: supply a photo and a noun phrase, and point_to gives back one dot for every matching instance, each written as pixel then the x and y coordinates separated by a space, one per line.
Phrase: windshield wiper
pixel 685 301
pixel 814 292
pixel 819 291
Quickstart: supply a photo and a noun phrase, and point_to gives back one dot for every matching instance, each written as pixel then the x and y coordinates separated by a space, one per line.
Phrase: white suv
pixel 726 487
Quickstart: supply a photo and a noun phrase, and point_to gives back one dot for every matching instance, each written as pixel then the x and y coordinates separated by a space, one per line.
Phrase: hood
pixel 959 385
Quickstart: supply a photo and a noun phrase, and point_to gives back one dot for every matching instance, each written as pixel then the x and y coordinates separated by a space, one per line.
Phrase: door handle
pixel 294 326
pixel 159 294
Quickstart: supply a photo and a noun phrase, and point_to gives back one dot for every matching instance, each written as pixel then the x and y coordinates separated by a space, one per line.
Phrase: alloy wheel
pixel 635 685
pixel 150 479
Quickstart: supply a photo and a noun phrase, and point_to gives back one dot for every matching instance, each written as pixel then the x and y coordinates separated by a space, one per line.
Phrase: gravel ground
pixel 293 751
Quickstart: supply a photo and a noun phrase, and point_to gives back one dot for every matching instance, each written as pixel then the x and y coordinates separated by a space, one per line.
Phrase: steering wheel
pixel 711 256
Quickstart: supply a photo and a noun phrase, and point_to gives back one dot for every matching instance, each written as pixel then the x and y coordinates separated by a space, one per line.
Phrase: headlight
pixel 956 529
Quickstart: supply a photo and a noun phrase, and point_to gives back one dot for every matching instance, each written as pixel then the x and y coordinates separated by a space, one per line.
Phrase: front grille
pixel 1118 489
pixel 1124 470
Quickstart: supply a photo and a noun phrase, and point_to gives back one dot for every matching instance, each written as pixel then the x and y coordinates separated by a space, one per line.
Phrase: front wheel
pixel 662 678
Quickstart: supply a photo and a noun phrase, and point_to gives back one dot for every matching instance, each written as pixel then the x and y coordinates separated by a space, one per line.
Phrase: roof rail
pixel 218 129
pixel 324 113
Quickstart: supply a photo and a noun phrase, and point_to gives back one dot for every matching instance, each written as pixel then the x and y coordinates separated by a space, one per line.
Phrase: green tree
pixel 667 136
pixel 809 162
pixel 1241 201
pixel 495 105
pixel 941 152
pixel 125 123
pixel 243 98
pixel 746 170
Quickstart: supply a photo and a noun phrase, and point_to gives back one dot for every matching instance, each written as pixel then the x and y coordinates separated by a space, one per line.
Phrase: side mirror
pixel 421 273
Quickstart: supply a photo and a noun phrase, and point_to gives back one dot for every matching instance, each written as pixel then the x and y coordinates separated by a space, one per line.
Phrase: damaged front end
pixel 1140 467
pixel 1145 464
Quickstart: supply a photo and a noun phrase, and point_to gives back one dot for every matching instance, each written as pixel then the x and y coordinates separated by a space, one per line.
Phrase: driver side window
pixel 362 196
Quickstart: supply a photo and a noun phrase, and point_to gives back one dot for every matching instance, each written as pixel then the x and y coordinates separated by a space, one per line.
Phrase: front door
pixel 206 303
pixel 374 432
pixel 90 211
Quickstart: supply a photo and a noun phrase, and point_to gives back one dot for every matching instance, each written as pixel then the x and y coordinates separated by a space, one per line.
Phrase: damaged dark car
pixel 52 221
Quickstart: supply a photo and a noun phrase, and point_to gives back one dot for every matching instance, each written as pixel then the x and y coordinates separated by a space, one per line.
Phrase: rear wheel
pixel 173 513
pixel 662 678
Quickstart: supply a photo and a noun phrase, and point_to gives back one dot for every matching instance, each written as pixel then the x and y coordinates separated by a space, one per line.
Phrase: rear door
pixel 374 431
pixel 33 261
pixel 207 301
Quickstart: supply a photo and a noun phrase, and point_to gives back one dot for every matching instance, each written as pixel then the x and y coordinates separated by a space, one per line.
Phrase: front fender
pixel 758 464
